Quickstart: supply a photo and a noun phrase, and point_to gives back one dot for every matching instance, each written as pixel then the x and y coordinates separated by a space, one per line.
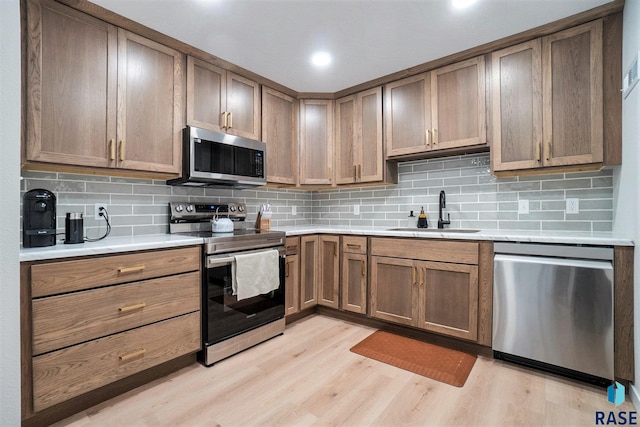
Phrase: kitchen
pixel 142 202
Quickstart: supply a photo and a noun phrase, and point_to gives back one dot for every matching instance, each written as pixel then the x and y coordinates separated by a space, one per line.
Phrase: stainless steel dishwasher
pixel 553 307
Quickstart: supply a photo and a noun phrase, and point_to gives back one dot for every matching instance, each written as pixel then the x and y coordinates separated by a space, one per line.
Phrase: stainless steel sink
pixel 435 230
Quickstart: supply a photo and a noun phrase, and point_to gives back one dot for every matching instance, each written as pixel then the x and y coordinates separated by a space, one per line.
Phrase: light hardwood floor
pixel 309 377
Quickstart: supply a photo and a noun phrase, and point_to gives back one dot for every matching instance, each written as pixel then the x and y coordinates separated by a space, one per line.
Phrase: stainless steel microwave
pixel 212 158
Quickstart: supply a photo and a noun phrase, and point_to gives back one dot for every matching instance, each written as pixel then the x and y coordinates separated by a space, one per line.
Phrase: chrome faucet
pixel 442 205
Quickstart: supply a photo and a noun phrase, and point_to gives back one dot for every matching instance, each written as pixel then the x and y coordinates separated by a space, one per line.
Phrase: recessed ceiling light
pixel 462 4
pixel 321 59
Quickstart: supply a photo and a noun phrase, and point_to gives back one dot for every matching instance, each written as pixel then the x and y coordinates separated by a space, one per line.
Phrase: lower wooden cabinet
pixel 329 271
pixel 394 294
pixel 436 296
pixel 292 276
pixel 308 271
pixel 89 322
pixel 353 282
pixel 448 299
pixel 61 375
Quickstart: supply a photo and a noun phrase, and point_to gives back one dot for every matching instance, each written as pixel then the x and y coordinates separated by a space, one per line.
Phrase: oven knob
pixel 232 208
pixel 189 208
pixel 179 208
pixel 240 208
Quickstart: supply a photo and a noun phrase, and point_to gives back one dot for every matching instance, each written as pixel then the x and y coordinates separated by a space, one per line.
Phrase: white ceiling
pixel 367 38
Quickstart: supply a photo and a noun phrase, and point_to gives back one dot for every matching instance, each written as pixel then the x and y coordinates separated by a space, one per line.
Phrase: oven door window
pixel 225 316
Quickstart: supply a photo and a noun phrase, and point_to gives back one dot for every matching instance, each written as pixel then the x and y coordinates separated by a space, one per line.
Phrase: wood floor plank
pixel 308 377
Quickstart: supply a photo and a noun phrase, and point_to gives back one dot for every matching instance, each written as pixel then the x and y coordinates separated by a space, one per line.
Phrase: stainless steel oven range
pixel 242 280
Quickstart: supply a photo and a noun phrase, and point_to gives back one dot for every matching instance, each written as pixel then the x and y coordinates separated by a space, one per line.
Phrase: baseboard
pixel 634 394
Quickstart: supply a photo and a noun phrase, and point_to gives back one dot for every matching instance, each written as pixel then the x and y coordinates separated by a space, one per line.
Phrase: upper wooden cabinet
pixel 221 100
pixel 407 115
pixel 279 132
pixel 89 91
pixel 358 124
pixel 439 110
pixel 458 105
pixel 316 141
pixel 149 105
pixel 548 101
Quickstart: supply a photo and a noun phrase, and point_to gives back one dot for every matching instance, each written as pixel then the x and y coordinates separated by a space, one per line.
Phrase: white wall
pixel 9 213
pixel 627 202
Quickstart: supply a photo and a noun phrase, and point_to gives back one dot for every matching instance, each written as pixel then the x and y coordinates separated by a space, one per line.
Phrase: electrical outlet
pixel 96 212
pixel 523 206
pixel 294 210
pixel 573 206
pixel 356 209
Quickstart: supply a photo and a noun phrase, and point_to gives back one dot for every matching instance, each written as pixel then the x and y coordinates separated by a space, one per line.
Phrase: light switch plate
pixel 523 206
pixel 294 210
pixel 573 206
pixel 356 209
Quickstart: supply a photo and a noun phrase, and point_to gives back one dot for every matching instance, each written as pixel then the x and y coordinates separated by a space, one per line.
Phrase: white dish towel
pixel 256 273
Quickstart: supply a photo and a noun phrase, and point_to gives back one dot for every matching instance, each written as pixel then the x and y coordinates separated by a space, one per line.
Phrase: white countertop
pixel 565 237
pixel 109 245
pixel 160 241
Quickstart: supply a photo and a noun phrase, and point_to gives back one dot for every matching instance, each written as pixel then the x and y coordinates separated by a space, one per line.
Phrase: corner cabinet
pixel 439 110
pixel 359 154
pixel 316 142
pixel 86 100
pixel 329 271
pixel 415 283
pixel 280 133
pixel 220 100
pixel 548 101
pixel 308 271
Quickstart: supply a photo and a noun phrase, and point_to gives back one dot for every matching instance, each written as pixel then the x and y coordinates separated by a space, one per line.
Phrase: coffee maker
pixel 38 218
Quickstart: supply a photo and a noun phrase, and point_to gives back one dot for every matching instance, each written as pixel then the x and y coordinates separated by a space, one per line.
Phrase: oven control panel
pixel 199 211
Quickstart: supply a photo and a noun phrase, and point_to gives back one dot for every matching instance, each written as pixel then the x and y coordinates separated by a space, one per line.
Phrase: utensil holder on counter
pixel 263 223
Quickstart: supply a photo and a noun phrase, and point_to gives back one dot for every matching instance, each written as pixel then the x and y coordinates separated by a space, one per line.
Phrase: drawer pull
pixel 133 355
pixel 132 307
pixel 353 245
pixel 136 269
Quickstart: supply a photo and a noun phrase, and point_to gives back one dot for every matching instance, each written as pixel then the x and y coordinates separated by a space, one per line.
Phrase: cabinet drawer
pixel 64 320
pixel 292 245
pixel 427 250
pixel 354 244
pixel 67 373
pixel 66 276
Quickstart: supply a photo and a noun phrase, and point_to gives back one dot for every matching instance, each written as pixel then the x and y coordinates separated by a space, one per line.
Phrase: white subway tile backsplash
pixel 475 199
